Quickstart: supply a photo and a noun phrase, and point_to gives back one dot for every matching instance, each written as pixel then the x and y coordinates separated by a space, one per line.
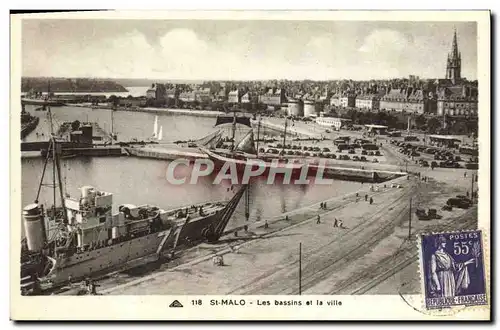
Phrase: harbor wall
pixel 330 172
pixel 165 154
pixel 291 131
pixel 187 112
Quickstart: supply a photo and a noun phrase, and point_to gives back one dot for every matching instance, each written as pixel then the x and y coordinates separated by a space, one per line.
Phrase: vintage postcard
pixel 250 165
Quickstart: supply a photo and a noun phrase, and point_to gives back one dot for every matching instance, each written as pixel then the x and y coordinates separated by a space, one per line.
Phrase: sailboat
pixel 83 238
pixel 155 128
pixel 245 154
pixel 160 134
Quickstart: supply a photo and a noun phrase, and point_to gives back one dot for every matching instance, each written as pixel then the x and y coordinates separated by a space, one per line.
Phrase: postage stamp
pixel 250 165
pixel 453 269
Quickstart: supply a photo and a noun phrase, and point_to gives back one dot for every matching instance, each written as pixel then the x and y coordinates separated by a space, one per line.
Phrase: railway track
pixel 396 263
pixel 315 255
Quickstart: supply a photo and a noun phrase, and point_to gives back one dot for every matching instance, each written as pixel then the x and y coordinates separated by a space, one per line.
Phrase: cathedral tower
pixel 454 62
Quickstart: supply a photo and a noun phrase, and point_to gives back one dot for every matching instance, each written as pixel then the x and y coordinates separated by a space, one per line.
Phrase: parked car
pixel 352 151
pixel 424 164
pixel 377 153
pixel 472 166
pixel 325 149
pixel 355 158
pixel 375 160
pixel 364 152
pixel 362 158
pixel 434 164
pixel 462 203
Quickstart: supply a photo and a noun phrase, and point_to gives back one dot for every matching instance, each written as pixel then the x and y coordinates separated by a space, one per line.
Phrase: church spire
pixel 454 47
pixel 454 61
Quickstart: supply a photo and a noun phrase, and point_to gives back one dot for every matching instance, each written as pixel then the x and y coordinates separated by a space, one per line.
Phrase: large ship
pixel 28 123
pixel 38 99
pixel 82 238
pixel 41 102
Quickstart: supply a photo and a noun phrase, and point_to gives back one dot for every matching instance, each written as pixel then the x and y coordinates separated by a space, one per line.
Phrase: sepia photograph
pixel 252 160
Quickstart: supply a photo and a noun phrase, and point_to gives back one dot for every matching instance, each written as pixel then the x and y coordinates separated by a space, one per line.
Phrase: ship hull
pixel 294 170
pixel 132 253
pixel 29 127
pixel 104 260
pixel 42 102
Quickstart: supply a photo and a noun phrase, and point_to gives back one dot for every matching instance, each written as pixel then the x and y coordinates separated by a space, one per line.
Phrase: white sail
pixel 155 128
pixel 160 134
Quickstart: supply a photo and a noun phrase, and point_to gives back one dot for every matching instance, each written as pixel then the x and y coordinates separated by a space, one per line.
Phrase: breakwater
pixel 331 171
pixel 187 112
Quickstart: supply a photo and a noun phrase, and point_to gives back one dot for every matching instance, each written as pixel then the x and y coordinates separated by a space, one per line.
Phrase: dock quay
pixel 362 257
pixel 371 174
pixel 165 153
pixel 187 112
pixel 252 244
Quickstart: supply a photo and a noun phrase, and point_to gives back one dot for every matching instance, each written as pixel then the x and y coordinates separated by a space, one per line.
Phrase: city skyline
pixel 244 50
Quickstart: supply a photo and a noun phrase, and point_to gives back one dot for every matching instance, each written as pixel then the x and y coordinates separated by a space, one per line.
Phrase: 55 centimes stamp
pixel 453 271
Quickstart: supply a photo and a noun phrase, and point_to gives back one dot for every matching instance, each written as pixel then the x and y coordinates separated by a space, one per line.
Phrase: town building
pixel 220 96
pixel 156 92
pixel 203 95
pixel 273 97
pixel 171 93
pixel 234 96
pixel 458 101
pixel 377 129
pixel 448 141
pixel 332 122
pixel 187 96
pixel 309 106
pixel 295 107
pixel 335 100
pixel 348 100
pixel 370 102
pixel 408 100
pixel 250 97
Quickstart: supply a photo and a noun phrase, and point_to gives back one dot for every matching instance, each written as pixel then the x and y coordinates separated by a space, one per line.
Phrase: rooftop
pixel 376 126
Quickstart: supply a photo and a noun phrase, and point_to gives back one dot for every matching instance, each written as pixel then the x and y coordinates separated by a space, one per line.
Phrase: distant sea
pixel 134 91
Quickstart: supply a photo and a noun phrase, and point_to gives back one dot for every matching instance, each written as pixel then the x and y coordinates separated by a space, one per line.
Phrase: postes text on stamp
pixel 453 269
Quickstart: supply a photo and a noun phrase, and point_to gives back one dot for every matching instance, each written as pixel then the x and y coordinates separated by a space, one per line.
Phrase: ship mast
pixel 112 127
pixel 258 137
pixel 53 149
pixel 284 138
pixel 233 131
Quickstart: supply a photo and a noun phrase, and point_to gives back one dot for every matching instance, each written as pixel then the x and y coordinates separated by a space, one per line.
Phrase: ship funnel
pixel 34 227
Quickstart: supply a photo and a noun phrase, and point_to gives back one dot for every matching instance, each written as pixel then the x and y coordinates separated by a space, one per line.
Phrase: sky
pixel 243 50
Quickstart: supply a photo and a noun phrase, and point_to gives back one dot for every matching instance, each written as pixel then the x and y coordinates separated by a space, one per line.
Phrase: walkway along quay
pixel 372 247
pixel 187 112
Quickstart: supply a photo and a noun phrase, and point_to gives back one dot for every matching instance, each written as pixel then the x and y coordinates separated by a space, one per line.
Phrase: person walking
pixel 371 200
pixel 335 224
pixel 366 197
pixel 318 219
